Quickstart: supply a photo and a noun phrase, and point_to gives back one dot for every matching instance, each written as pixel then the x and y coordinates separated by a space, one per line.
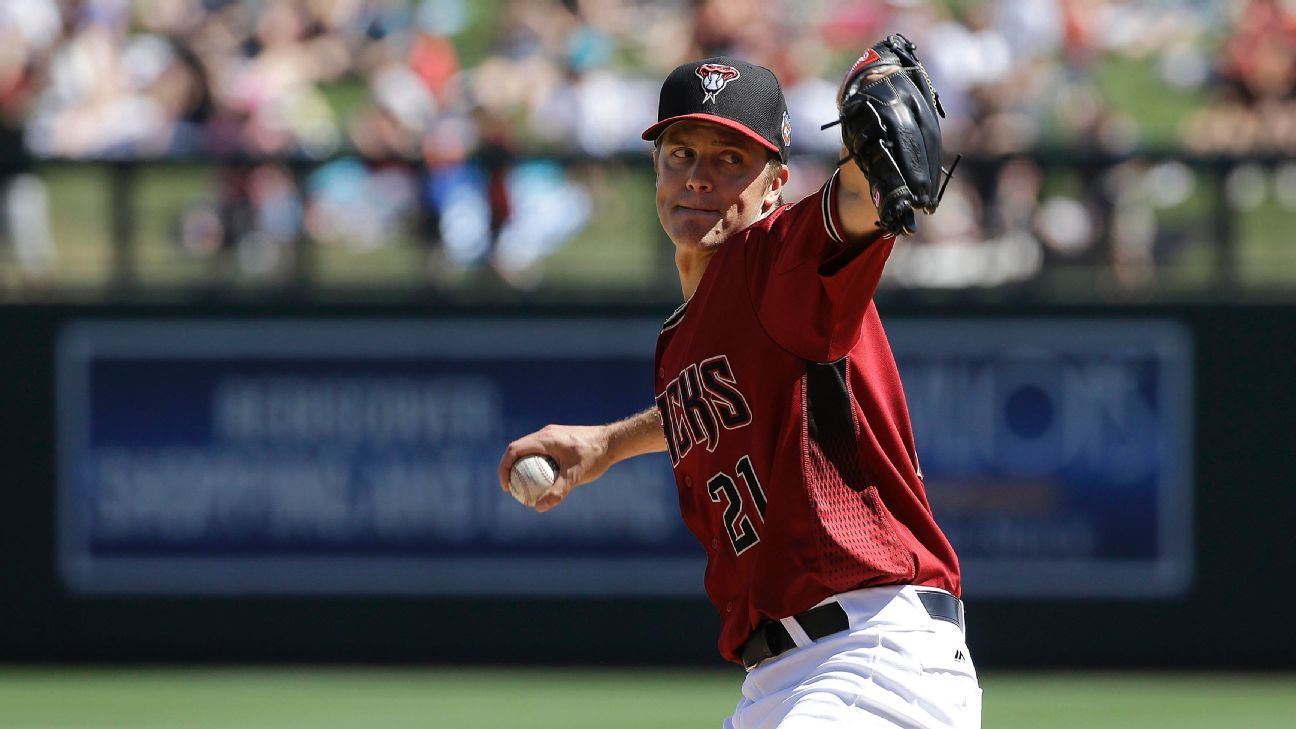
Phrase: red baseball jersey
pixel 787 428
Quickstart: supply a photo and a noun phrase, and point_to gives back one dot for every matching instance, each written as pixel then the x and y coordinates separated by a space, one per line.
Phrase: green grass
pixel 1267 257
pixel 202 698
pixel 162 195
pixel 79 207
pixel 1134 86
pixel 323 699
pixel 1116 701
pixel 623 244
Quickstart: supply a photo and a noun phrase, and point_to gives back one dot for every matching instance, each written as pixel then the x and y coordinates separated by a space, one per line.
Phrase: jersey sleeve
pixel 809 286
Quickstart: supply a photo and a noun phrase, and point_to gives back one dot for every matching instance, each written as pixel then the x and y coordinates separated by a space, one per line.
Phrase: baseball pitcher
pixel 780 407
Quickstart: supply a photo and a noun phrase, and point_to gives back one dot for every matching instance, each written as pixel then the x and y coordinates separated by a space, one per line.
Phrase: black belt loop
pixel 943 606
pixel 770 638
pixel 824 620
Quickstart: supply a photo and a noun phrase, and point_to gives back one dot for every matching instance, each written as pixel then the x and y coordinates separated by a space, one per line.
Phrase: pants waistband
pixel 771 638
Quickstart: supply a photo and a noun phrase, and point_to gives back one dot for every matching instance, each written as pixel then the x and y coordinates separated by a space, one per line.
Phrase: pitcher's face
pixel 711 183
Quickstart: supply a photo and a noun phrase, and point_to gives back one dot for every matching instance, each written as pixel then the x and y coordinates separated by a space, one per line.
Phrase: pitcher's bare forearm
pixel 858 217
pixel 636 435
pixel 584 452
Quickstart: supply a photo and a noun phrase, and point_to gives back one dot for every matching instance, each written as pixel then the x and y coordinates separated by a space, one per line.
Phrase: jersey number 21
pixel 742 533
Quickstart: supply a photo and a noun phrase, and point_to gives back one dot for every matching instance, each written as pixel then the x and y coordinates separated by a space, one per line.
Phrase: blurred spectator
pixel 168 77
pixel 1256 73
pixel 27 32
pixel 424 118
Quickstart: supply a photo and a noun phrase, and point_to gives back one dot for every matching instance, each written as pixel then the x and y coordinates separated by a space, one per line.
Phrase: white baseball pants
pixel 895 667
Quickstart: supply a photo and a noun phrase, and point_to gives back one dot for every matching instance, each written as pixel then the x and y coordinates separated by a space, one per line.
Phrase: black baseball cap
pixel 728 92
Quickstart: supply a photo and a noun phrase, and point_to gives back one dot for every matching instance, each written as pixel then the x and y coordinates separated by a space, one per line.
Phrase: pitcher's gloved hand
pixel 890 128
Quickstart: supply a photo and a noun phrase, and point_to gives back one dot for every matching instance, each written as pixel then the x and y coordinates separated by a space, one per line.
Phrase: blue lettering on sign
pixel 308 457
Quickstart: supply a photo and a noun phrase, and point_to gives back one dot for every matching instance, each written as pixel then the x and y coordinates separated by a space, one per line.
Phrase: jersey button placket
pixel 715 544
pixel 688 482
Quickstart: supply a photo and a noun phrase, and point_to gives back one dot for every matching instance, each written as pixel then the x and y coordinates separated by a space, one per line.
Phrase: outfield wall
pixel 292 483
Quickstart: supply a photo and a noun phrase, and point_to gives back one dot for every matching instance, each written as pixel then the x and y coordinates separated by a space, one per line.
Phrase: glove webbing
pixel 930 87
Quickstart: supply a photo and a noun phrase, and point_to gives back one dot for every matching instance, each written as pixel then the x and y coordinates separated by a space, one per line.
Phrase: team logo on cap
pixel 787 129
pixel 714 79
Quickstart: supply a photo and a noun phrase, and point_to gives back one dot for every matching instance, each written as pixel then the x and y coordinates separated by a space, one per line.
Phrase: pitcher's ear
pixel 777 179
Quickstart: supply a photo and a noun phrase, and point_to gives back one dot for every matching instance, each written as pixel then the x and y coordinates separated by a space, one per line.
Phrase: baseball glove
pixel 890 129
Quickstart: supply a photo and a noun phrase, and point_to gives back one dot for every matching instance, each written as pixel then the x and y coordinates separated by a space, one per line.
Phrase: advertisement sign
pixel 360 456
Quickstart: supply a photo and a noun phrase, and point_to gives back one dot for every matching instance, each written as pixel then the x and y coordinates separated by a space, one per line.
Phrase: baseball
pixel 531 477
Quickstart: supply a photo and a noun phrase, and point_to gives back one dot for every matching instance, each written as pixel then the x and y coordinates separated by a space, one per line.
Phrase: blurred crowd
pixel 473 127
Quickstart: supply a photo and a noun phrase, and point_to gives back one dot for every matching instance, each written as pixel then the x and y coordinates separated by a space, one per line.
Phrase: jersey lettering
pixel 718 378
pixel 698 403
pixel 700 411
pixel 664 413
pixel 683 437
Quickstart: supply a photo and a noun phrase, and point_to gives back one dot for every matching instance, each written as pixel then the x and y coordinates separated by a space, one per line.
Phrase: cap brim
pixel 655 130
